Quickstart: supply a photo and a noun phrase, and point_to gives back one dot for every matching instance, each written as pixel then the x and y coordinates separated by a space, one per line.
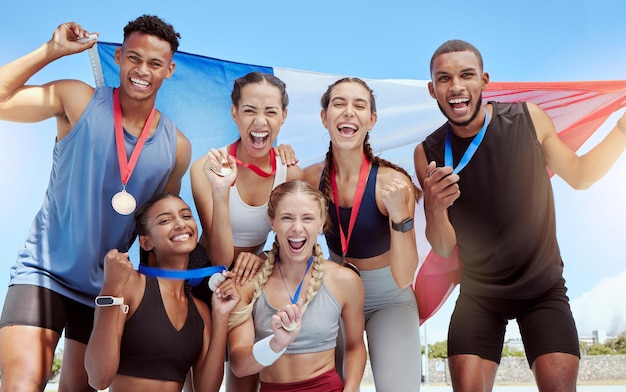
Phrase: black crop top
pixel 151 347
pixel 370 236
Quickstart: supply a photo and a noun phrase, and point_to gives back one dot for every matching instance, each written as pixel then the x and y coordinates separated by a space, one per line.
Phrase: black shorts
pixel 41 307
pixel 546 325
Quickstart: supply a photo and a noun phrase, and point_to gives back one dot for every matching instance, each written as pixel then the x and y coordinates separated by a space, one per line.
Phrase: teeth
pixel 458 100
pixel 181 237
pixel 139 81
pixel 352 126
pixel 302 239
pixel 259 134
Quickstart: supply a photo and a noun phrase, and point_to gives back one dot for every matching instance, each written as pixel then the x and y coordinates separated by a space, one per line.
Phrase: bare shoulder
pixel 341 279
pixel 294 172
pixel 313 173
pixel 387 174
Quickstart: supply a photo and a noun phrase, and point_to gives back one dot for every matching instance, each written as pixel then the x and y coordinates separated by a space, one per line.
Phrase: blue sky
pixel 520 41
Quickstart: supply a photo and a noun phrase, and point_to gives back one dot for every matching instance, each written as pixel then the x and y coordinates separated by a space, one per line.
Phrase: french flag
pixel 197 98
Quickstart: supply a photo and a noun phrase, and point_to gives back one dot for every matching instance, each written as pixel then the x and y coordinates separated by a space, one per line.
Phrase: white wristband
pixel 263 353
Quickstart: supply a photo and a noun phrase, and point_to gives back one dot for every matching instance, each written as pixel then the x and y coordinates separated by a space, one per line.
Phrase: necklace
pixel 296 295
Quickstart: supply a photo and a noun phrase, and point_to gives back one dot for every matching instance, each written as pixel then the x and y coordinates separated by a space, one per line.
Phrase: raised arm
pixel 211 197
pixel 580 172
pixel 395 191
pixel 64 100
pixel 440 191
pixel 102 356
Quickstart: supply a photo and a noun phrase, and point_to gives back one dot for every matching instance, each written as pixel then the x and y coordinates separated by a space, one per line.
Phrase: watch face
pixel 104 301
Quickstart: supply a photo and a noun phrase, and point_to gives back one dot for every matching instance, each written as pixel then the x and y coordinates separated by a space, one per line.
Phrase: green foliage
pixel 507 352
pixel 618 344
pixel 56 365
pixel 438 350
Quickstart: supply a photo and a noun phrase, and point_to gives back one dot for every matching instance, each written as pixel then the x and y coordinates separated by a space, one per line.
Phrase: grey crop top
pixel 320 323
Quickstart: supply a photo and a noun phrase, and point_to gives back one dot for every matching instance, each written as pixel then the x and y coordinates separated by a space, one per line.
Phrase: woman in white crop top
pixel 232 208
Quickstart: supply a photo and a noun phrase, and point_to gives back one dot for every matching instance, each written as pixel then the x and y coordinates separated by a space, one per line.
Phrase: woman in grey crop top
pixel 286 324
pixel 150 331
pixel 374 233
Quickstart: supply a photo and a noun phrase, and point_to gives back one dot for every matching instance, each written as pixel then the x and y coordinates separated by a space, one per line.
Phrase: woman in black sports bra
pixel 149 331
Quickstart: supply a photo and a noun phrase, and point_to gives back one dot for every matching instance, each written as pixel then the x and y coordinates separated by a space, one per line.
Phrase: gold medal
pixel 224 170
pixel 123 203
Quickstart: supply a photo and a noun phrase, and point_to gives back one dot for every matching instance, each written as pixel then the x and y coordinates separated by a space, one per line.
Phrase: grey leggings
pixel 392 328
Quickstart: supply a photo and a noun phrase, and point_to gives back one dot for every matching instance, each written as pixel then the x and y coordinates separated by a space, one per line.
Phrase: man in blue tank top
pixel 487 191
pixel 113 151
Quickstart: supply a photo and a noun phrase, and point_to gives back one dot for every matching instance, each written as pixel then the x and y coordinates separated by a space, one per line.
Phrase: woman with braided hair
pixel 371 206
pixel 286 325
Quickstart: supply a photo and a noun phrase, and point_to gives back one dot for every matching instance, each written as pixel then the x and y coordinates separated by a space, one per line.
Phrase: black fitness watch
pixel 403 226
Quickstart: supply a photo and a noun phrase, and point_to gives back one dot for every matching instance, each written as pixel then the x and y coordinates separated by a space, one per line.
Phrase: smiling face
pixel 349 115
pixel 169 228
pixel 259 116
pixel 144 60
pixel 457 85
pixel 297 222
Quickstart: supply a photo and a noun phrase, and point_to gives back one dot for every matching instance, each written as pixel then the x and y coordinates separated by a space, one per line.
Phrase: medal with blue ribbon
pixel 194 276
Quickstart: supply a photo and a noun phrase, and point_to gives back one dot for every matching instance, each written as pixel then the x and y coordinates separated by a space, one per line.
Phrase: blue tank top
pixel 151 347
pixel 370 236
pixel 76 225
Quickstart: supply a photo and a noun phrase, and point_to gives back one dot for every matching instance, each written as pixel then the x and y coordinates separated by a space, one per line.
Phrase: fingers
pixel 246 267
pixel 288 318
pixel 441 187
pixel 225 297
pixel 287 154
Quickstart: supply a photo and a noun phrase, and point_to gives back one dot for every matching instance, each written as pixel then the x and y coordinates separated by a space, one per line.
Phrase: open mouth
pixel 347 129
pixel 296 243
pixel 259 139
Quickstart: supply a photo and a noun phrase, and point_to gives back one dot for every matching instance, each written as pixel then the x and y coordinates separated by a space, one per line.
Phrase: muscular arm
pixel 439 192
pixel 65 99
pixel 580 172
pixel 183 157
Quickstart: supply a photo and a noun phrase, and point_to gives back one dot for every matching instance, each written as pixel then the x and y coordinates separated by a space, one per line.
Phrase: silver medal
pixel 123 203
pixel 215 280
pixel 291 326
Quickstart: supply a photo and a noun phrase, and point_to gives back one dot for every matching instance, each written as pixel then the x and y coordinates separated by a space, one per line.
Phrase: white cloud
pixel 603 307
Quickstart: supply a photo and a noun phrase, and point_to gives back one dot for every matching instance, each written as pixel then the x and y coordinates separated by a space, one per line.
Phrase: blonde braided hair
pixel 317 273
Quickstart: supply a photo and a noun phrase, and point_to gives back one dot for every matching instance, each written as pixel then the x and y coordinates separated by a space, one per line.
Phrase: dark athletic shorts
pixel 546 325
pixel 41 307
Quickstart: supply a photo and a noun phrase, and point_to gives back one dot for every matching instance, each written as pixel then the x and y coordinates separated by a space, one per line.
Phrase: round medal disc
pixel 123 203
pixel 222 171
pixel 291 326
pixel 215 280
